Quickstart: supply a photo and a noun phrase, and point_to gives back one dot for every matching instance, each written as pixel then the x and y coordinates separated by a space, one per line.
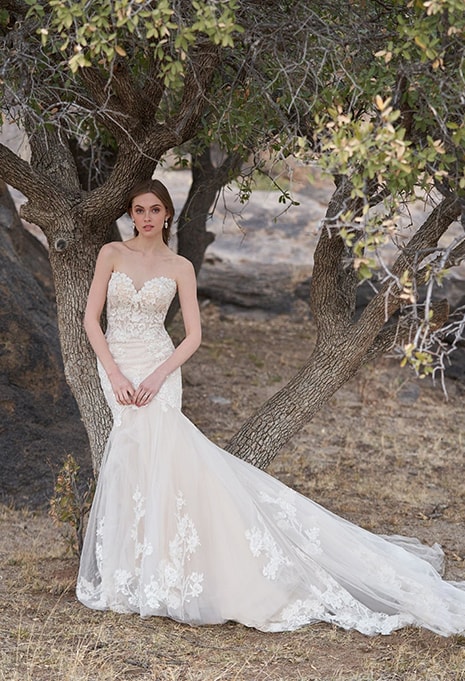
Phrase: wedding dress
pixel 183 529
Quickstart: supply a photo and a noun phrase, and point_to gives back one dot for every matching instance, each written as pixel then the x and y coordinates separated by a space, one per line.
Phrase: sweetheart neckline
pixel 138 290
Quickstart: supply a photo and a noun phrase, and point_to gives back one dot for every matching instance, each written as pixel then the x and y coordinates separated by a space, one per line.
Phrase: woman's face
pixel 149 214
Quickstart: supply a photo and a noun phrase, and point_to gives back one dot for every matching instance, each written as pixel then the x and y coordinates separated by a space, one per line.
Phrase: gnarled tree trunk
pixel 343 345
pixel 78 222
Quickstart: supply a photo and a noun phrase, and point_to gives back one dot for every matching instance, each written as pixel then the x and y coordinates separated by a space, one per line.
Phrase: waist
pixel 141 350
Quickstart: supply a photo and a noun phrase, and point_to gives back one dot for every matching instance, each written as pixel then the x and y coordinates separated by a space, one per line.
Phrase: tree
pixel 57 105
pixel 368 89
pixel 389 129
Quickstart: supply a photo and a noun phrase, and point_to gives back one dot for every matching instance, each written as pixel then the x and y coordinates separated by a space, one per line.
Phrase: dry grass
pixel 383 454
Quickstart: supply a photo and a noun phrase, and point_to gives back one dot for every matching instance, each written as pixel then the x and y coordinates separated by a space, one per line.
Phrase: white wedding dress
pixel 183 529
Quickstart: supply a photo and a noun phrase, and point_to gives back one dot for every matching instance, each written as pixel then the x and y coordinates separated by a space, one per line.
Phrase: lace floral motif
pixel 98 544
pixel 144 547
pixel 310 610
pixel 138 315
pixel 173 586
pixel 136 329
pixel 286 519
pixel 261 542
pixel 336 606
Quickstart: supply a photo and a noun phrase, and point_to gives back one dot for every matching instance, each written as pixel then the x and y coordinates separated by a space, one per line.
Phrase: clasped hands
pixel 126 394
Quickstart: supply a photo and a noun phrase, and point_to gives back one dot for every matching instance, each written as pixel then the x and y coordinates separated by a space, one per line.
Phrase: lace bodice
pixel 137 337
pixel 138 314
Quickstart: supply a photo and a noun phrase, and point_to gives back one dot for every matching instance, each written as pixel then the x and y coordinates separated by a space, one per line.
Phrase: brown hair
pixel 158 188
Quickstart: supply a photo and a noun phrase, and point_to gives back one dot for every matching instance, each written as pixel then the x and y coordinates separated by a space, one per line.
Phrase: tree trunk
pixel 207 180
pixel 281 417
pixel 343 345
pixel 73 270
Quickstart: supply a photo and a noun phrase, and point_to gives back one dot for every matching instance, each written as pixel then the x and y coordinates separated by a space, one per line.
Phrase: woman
pixel 181 528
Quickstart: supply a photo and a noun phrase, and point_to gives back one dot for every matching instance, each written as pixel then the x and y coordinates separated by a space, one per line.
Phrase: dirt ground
pixel 386 453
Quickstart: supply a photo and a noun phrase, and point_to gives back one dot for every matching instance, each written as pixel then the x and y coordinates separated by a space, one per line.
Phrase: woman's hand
pixel 122 388
pixel 149 387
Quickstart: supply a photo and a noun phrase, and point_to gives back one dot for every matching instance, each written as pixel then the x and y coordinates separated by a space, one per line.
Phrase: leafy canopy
pixel 98 31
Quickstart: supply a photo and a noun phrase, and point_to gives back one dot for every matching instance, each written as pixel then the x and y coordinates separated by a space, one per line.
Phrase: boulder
pixel 39 418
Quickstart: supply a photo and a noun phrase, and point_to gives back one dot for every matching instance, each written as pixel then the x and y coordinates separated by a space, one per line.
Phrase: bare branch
pixel 198 78
pixel 400 332
pixel 456 256
pixel 388 299
pixel 113 112
pixel 427 235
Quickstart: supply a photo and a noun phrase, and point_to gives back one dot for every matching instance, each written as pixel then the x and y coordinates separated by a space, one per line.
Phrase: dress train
pixel 183 529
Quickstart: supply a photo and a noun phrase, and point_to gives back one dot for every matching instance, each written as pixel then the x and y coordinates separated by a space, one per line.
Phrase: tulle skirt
pixel 180 528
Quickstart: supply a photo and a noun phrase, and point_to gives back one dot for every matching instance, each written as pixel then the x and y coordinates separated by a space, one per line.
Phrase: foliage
pixel 71 502
pixel 103 30
pixel 395 129
pixel 371 91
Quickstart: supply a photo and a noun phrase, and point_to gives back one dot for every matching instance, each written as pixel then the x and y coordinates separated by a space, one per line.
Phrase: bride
pixel 181 528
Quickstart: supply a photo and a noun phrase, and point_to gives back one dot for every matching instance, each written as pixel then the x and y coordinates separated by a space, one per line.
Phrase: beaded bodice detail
pixel 137 337
pixel 134 314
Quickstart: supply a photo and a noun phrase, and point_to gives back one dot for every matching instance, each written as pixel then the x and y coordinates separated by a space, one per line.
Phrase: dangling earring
pixel 134 229
pixel 165 224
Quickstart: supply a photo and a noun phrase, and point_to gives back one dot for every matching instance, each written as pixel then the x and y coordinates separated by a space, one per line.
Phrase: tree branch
pixel 140 103
pixel 400 331
pixel 51 155
pixel 427 235
pixel 388 300
pixel 19 174
pixel 204 61
pixel 139 155
pixel 110 109
pixel 153 85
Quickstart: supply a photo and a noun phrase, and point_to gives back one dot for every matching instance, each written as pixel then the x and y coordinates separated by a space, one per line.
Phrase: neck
pixel 148 246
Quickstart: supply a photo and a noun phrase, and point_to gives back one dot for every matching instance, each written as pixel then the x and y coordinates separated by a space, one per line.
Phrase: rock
pixel 39 419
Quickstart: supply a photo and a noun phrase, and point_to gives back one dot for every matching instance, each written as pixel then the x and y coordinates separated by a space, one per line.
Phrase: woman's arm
pixel 122 387
pixel 187 291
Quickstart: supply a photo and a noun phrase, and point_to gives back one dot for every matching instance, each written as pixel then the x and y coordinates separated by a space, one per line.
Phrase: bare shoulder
pixel 183 267
pixel 110 250
pixel 111 254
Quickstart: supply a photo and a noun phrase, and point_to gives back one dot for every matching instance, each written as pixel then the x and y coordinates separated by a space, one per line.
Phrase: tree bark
pixel 78 222
pixel 342 345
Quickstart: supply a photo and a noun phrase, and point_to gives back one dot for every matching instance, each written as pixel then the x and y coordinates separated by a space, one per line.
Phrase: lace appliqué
pixel 138 315
pixel 136 330
pixel 336 606
pixel 308 538
pixel 261 542
pixel 142 547
pixel 173 586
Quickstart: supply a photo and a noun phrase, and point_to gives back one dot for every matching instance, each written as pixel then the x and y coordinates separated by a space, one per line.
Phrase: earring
pixel 165 224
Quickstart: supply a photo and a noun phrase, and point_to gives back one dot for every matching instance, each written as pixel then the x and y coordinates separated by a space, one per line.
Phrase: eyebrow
pixel 153 205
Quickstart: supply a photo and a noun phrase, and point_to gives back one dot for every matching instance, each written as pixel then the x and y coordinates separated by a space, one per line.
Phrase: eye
pixel 156 210
pixel 139 210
